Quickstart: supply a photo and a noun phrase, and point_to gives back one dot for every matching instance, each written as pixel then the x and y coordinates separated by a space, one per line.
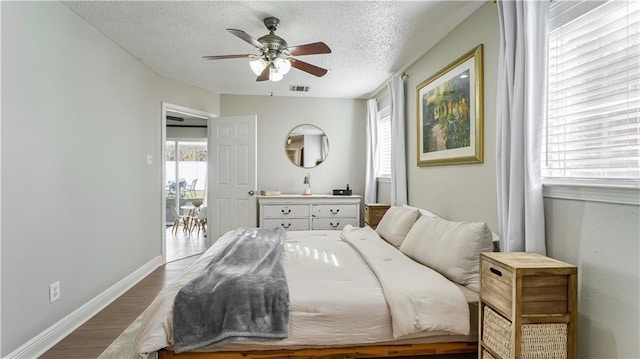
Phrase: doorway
pixel 184 177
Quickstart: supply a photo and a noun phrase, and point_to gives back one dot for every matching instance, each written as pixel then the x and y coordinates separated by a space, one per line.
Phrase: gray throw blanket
pixel 242 294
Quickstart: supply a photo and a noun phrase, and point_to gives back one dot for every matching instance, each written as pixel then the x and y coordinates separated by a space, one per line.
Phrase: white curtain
pixel 370 184
pixel 520 115
pixel 398 163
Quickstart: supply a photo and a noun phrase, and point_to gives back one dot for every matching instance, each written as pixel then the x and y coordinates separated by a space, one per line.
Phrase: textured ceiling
pixel 370 40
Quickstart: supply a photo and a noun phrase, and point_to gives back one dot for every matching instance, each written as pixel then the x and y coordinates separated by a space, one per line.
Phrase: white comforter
pixel 419 298
pixel 336 297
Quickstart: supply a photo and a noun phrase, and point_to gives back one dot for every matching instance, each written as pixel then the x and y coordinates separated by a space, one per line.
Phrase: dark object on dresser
pixel 343 192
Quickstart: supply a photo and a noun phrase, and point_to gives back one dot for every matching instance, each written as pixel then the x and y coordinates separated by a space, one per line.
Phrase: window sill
pixel 593 193
pixel 383 179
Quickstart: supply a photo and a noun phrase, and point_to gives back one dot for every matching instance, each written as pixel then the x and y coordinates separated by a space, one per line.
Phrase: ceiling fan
pixel 276 57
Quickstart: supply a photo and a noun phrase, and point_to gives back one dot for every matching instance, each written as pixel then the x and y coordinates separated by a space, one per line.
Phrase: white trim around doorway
pixel 163 211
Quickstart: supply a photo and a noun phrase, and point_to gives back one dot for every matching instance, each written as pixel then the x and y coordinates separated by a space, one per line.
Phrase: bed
pixel 352 294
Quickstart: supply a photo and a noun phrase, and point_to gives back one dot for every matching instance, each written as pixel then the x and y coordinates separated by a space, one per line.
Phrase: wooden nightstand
pixel 528 307
pixel 373 213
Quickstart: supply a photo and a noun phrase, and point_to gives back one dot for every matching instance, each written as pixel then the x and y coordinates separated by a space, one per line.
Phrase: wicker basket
pixel 496 333
pixel 539 341
pixel 544 341
pixel 487 355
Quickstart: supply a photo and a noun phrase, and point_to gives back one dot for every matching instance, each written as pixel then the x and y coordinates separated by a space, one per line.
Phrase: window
pixel 384 144
pixel 592 131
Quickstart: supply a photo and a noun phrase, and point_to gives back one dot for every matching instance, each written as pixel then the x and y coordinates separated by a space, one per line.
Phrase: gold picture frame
pixel 450 113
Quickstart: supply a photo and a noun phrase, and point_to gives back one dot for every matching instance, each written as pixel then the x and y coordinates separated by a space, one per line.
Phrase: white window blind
pixel 592 130
pixel 384 144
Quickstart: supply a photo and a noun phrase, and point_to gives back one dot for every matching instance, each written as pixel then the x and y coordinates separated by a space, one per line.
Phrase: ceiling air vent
pixel 295 88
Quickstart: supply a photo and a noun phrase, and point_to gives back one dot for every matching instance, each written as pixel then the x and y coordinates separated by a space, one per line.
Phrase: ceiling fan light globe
pixel 283 65
pixel 257 66
pixel 275 75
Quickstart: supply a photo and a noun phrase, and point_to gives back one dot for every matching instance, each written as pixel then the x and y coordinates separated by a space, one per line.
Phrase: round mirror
pixel 307 146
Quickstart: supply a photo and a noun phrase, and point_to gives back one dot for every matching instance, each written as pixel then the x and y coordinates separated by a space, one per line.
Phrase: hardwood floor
pixel 93 337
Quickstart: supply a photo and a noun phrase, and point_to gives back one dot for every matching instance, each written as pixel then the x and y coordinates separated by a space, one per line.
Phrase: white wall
pixel 458 192
pixel 343 121
pixel 75 106
pixel 601 239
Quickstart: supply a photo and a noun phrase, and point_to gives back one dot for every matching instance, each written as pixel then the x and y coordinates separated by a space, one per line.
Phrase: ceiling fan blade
pixel 246 37
pixel 307 67
pixel 309 49
pixel 264 76
pixel 221 57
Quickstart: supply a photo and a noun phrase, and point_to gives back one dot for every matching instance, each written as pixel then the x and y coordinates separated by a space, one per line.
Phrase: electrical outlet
pixel 54 291
pixel 149 159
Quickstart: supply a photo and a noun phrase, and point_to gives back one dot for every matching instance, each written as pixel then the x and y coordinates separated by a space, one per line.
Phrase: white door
pixel 232 174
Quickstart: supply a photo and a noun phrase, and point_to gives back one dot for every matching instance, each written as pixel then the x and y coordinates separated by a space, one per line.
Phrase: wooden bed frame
pixel 369 351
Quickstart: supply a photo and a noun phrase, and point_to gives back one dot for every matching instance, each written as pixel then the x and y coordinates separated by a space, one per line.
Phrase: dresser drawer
pixel 334 210
pixel 290 224
pixel 319 212
pixel 497 285
pixel 332 223
pixel 285 211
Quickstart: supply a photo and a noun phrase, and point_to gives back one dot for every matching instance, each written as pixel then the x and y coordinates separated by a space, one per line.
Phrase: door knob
pixel 251 193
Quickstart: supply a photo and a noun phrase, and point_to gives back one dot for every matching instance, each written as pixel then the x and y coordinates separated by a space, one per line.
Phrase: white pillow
pixel 426 212
pixel 423 211
pixel 451 248
pixel 396 223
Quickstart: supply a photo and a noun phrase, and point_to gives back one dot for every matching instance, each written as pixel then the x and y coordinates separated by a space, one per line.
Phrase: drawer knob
pixel 334 225
pixel 495 271
pixel 287 211
pixel 285 226
pixel 334 211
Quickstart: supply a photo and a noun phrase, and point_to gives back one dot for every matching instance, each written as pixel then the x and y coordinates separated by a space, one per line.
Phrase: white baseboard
pixel 44 341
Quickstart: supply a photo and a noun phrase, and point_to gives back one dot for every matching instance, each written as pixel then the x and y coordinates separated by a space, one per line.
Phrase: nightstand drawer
pixel 548 340
pixel 284 211
pixel 496 333
pixel 545 294
pixel 497 284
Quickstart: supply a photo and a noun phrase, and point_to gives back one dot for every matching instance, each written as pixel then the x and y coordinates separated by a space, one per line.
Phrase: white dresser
pixel 314 212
